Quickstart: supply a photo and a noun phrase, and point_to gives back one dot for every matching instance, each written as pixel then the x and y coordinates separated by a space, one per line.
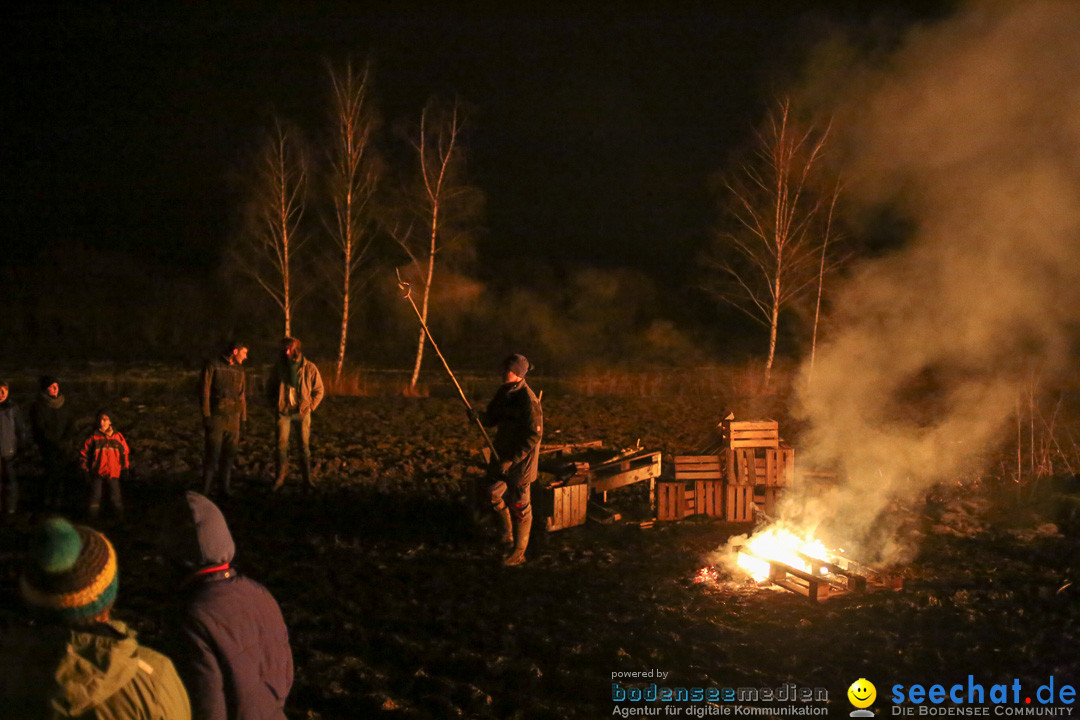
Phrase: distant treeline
pixel 76 303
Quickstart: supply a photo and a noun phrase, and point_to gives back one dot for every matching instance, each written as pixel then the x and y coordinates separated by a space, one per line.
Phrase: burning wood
pixel 803 565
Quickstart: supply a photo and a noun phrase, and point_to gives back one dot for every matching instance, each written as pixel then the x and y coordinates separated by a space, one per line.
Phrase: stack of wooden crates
pixel 751 468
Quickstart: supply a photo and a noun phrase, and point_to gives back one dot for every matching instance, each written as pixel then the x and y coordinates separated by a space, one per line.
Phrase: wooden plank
pixel 745 467
pixel 786 474
pixel 691 459
pixel 754 442
pixel 697 474
pixel 730 467
pixel 730 425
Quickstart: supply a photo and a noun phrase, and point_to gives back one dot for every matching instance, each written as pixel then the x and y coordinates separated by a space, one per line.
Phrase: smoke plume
pixel 970 132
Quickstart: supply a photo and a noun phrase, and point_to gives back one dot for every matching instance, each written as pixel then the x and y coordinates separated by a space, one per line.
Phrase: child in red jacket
pixel 104 459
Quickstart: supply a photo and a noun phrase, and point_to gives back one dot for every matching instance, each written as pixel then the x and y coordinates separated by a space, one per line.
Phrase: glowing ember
pixel 781 544
pixel 707 575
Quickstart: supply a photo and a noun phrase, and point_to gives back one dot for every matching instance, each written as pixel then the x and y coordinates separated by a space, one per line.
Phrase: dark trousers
pixel 10 481
pixel 509 493
pixel 59 473
pixel 96 482
pixel 222 446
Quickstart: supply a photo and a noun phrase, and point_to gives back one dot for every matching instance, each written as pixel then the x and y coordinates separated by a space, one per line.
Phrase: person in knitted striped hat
pixel 80 662
pixel 73 574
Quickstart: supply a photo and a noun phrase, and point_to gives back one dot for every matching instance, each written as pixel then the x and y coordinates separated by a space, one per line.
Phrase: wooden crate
pixel 709 498
pixel 738 503
pixel 697 467
pixel 750 433
pixel 569 505
pixel 768 500
pixel 779 467
pixel 670 500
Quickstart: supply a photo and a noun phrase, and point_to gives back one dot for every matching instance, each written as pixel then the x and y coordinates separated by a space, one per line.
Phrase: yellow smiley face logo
pixel 862 693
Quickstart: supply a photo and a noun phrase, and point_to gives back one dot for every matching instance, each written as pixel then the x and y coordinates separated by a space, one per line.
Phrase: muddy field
pixel 398 608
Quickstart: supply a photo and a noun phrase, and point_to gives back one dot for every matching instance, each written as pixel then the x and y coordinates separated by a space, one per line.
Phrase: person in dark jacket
pixel 231 645
pixel 519 421
pixel 53 428
pixel 74 659
pixel 223 392
pixel 13 437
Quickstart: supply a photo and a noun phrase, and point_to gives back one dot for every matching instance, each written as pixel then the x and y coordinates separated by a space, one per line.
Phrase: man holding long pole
pixel 516 414
pixel 513 462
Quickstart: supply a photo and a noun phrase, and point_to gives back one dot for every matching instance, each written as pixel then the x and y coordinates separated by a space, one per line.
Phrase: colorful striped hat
pixel 73 573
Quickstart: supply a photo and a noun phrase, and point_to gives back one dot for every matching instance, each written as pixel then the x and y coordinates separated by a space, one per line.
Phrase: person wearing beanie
pixel 230 641
pixel 13 437
pixel 104 460
pixel 516 414
pixel 294 389
pixel 223 391
pixel 76 660
pixel 53 428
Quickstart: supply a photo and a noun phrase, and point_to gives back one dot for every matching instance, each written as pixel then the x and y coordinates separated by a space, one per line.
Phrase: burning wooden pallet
pixel 825 579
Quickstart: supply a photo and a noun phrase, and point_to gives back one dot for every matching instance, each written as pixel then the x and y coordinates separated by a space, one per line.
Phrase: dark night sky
pixel 596 132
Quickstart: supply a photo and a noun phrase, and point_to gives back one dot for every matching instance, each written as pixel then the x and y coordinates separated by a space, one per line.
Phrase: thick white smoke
pixel 971 132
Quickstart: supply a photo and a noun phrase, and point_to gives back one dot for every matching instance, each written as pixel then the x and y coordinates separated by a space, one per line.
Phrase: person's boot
pixel 506 531
pixel 521 542
pixel 282 471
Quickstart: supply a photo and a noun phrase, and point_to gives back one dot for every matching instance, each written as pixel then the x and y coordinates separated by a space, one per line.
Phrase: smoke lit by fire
pixel 969 136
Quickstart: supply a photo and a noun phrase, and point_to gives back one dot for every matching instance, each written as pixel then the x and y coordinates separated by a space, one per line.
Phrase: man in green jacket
pixel 78 661
pixel 294 389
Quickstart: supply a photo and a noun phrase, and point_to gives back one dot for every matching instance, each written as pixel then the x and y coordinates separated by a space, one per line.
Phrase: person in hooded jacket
pixel 230 641
pixel 53 428
pixel 75 660
pixel 518 419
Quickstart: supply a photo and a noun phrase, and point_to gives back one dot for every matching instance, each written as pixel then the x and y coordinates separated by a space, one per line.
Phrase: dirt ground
pixel 398 607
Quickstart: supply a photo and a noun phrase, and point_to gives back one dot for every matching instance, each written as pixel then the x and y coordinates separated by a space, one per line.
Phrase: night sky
pixel 595 134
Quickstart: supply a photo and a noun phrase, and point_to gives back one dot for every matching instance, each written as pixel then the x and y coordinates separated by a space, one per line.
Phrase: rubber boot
pixel 523 527
pixel 282 471
pixel 506 530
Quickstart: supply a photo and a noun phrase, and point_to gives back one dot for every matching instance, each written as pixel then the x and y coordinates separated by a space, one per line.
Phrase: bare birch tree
pixel 272 238
pixel 443 205
pixel 769 259
pixel 353 177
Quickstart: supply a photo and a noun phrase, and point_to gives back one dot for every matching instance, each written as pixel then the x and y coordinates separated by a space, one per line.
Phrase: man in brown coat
pixel 224 407
pixel 294 389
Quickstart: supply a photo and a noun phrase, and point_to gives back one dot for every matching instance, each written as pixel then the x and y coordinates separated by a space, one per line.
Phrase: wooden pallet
pixel 816 585
pixel 623 471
